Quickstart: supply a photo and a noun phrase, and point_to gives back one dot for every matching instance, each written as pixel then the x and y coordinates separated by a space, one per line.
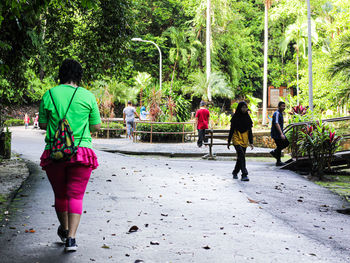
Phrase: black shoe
pixel 235 176
pixel 273 153
pixel 63 234
pixel 70 246
pixel 245 178
pixel 280 164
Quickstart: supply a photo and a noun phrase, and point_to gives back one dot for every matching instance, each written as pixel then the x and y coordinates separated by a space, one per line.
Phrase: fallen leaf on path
pixel 105 246
pixel 164 214
pixel 133 229
pixel 156 243
pixel 252 201
pixel 206 247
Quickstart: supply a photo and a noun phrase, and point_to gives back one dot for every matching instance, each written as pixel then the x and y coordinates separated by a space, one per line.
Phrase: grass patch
pixel 338 184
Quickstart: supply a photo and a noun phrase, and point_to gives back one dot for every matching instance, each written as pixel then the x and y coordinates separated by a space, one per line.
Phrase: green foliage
pixel 341 58
pixel 183 108
pixel 13 122
pixel 319 143
pixel 168 128
pixel 218 119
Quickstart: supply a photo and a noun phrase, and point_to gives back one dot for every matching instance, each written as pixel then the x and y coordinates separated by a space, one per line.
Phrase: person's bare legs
pixel 63 218
pixel 73 223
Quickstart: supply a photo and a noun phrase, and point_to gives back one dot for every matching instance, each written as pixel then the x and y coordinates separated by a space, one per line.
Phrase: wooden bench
pixel 211 134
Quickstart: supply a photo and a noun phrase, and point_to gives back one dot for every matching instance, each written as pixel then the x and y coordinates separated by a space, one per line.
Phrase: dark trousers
pixel 201 137
pixel 281 144
pixel 240 163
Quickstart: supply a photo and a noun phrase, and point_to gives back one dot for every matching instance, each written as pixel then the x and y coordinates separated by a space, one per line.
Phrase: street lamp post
pixel 160 57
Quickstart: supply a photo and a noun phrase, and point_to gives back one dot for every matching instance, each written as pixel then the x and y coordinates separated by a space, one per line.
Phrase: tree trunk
pixel 265 65
pixel 173 75
pixel 297 75
pixel 208 60
pixel 5 145
pixel 311 104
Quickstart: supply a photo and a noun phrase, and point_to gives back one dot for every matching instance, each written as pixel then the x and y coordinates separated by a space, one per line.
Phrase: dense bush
pixel 162 128
pixel 102 133
pixel 14 122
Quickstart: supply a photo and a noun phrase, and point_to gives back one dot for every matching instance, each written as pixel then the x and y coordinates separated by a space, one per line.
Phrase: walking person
pixel 202 120
pixel 129 113
pixel 143 113
pixel 241 135
pixel 26 121
pixel 69 177
pixel 36 121
pixel 277 133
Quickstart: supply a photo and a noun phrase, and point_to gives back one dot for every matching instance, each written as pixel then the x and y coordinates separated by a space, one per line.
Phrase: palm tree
pixel 268 4
pixel 178 53
pixel 217 83
pixel 143 80
pixel 341 57
pixel 298 33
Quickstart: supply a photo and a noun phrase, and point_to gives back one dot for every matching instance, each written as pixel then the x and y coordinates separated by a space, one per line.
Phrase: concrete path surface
pixel 188 149
pixel 186 210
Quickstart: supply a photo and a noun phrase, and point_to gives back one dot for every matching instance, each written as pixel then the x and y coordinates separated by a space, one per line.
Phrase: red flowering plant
pixel 299 113
pixel 319 143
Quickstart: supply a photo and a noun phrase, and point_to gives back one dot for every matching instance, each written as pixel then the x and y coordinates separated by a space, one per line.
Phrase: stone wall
pixel 263 139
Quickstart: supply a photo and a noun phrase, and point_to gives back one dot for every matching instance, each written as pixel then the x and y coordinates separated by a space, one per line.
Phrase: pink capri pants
pixel 68 183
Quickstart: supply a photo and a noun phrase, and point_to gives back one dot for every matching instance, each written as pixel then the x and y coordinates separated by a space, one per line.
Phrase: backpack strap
pixel 82 134
pixel 54 104
pixel 70 102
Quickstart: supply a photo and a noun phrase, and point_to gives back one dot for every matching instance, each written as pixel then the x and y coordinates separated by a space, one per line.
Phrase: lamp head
pixel 136 39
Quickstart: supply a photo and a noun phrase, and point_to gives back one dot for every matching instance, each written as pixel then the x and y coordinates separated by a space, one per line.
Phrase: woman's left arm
pixel 250 138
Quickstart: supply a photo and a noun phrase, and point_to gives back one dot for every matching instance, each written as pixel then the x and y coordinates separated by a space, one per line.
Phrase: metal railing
pixel 108 129
pixel 296 127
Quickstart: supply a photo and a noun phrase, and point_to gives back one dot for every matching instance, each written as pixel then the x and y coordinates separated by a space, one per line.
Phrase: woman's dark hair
pixel 239 121
pixel 239 107
pixel 70 71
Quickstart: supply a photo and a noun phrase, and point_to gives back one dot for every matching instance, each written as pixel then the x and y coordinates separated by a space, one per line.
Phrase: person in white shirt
pixel 129 113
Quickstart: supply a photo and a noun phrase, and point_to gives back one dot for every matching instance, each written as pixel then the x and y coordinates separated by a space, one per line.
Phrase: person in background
pixel 277 133
pixel 36 121
pixel 26 121
pixel 129 113
pixel 241 135
pixel 202 120
pixel 69 178
pixel 143 113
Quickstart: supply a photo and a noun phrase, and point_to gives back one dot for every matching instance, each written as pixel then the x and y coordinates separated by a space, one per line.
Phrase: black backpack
pixel 62 147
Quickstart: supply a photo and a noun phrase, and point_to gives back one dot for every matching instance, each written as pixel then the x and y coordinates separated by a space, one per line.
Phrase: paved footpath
pixel 187 210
